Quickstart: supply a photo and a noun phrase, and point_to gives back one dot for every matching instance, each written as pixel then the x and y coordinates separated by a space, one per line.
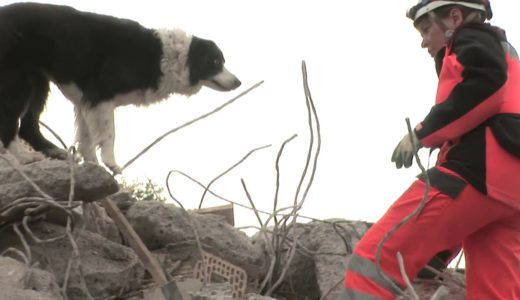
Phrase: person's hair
pixel 444 12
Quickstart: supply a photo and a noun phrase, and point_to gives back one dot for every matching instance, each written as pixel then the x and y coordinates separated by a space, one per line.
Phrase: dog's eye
pixel 215 63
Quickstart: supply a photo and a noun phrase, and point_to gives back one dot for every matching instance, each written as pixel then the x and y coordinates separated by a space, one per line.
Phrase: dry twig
pixel 400 260
pixel 269 246
pixel 327 293
pixel 277 212
pixel 276 242
pixel 312 116
pixel 273 214
pixel 24 243
pixel 446 277
pixel 298 203
pixel 406 219
pixel 229 170
pixel 189 123
pixel 54 134
pixel 277 168
pixel 190 219
pixel 68 231
pixel 281 228
pixel 461 255
pixel 17 252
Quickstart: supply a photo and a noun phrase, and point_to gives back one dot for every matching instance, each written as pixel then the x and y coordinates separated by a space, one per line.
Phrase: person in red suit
pixel 473 196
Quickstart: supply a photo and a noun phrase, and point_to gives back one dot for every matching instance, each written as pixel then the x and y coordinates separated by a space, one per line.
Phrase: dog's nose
pixel 236 83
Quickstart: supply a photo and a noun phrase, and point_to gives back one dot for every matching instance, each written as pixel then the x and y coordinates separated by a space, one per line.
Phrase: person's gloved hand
pixel 404 152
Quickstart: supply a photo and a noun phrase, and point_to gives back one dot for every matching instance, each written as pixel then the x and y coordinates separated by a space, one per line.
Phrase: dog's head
pixel 206 66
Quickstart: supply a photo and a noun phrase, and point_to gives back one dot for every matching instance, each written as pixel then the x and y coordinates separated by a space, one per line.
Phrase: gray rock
pixel 97 220
pixel 92 182
pixel 19 282
pixel 425 289
pixel 164 225
pixel 124 200
pixel 258 297
pixel 320 260
pixel 319 265
pixel 332 245
pixel 109 269
pixel 222 291
pixel 330 258
pixel 217 291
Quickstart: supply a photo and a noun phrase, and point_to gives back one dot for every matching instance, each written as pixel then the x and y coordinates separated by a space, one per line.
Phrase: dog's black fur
pixel 94 59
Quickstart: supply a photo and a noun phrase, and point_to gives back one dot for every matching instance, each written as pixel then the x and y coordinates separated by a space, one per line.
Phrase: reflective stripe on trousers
pixel 366 268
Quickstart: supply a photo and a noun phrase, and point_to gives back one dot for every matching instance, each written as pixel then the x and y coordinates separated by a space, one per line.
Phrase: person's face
pixel 433 37
pixel 433 32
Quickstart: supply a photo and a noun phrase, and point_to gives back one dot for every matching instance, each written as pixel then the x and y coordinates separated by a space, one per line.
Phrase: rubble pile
pixel 36 247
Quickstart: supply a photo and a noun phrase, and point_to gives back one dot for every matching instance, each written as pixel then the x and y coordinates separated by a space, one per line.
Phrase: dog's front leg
pixel 86 146
pixel 100 122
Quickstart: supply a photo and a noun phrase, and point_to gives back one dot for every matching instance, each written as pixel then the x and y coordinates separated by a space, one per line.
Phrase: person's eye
pixel 425 29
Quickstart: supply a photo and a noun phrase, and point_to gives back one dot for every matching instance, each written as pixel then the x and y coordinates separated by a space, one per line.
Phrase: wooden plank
pixel 226 211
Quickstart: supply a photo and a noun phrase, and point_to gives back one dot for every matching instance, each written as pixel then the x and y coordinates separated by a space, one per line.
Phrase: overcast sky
pixel 367 73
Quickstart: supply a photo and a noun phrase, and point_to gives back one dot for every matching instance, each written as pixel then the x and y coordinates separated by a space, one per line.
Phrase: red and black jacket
pixel 476 118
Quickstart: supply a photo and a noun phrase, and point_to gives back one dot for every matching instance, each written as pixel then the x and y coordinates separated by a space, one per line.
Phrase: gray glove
pixel 405 151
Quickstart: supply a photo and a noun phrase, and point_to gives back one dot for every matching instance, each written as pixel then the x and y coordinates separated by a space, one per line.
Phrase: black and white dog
pixel 98 62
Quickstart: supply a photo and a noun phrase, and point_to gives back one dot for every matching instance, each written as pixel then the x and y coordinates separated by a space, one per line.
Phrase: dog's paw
pixel 116 170
pixel 56 153
pixel 28 157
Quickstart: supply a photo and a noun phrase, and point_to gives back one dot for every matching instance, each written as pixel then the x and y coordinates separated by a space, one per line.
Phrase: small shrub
pixel 144 191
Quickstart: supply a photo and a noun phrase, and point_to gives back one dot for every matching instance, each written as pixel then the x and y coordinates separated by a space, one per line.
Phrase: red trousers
pixel 488 230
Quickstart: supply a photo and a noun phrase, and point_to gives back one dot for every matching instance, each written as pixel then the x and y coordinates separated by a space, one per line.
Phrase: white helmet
pixel 425 6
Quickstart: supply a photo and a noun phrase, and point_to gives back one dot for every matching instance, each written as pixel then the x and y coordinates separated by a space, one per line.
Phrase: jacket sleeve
pixel 469 91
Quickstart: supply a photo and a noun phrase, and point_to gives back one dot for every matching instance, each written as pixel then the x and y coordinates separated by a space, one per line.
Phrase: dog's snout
pixel 236 83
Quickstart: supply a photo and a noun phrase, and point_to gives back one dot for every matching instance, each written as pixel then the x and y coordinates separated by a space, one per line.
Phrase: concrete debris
pixel 167 226
pixel 92 182
pixel 111 270
pixel 108 268
pixel 18 281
